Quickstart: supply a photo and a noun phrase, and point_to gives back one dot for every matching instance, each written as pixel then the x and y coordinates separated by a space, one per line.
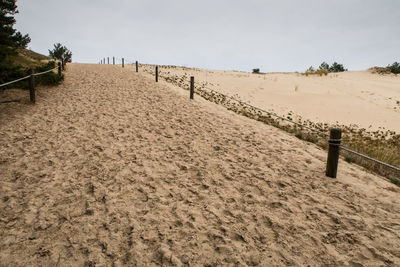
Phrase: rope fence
pixel 31 77
pixel 335 136
pixel 15 81
pixel 44 72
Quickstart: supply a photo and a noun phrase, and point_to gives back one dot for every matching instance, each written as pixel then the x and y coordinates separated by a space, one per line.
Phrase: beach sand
pixel 360 98
pixel 112 169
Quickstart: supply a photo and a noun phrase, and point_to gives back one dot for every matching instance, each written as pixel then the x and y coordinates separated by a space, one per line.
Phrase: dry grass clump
pixel 380 70
pixel 319 72
pixel 383 145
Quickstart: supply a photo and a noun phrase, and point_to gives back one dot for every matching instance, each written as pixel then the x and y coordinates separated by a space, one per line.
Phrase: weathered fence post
pixel 108 60
pixel 156 73
pixel 137 67
pixel 123 62
pixel 32 87
pixel 59 69
pixel 191 87
pixel 335 140
pixel 113 60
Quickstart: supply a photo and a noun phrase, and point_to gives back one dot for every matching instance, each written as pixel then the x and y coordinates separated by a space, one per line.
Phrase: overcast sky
pixel 284 35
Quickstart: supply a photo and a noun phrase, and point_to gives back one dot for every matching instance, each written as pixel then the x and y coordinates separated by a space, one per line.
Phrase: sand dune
pixel 370 101
pixel 111 169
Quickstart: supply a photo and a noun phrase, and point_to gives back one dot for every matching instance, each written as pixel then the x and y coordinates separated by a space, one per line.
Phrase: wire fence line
pixel 369 158
pixel 307 127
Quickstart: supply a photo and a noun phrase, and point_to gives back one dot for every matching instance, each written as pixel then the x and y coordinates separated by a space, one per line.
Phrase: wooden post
pixel 59 69
pixel 32 86
pixel 123 62
pixel 335 140
pixel 108 60
pixel 113 60
pixel 191 87
pixel 156 73
pixel 137 67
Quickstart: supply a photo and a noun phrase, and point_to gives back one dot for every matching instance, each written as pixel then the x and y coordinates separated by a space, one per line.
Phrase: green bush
pixel 256 70
pixel 12 73
pixel 394 68
pixel 50 78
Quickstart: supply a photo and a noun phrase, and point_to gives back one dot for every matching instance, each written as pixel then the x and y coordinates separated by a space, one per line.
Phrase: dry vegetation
pixel 28 58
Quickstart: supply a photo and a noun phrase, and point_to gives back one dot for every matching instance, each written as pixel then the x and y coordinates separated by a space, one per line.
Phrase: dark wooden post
pixel 191 87
pixel 32 87
pixel 59 69
pixel 108 60
pixel 123 62
pixel 137 67
pixel 113 60
pixel 156 73
pixel 335 140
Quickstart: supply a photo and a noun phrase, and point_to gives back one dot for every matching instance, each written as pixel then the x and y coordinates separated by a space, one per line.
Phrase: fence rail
pixel 44 72
pixel 18 80
pixel 32 79
pixel 369 158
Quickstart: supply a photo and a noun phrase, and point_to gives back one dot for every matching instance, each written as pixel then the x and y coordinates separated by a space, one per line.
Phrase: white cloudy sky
pixel 284 35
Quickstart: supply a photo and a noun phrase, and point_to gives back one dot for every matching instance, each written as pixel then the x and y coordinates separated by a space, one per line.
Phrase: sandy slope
pixel 110 169
pixel 355 97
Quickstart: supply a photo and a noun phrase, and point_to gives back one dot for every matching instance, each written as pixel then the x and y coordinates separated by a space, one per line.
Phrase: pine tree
pixel 61 52
pixel 336 67
pixel 10 38
pixel 324 66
